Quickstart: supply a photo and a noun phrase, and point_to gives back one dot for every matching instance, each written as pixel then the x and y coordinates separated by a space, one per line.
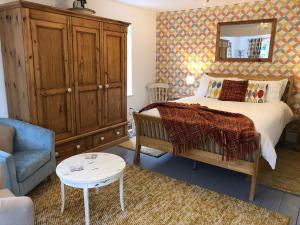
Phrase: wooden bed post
pixel 137 154
pixel 255 172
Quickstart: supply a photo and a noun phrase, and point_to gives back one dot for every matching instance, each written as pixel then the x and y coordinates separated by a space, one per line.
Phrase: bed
pixel 269 119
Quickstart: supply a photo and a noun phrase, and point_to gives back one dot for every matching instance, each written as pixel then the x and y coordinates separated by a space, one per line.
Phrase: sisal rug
pixel 286 176
pixel 150 198
pixel 130 144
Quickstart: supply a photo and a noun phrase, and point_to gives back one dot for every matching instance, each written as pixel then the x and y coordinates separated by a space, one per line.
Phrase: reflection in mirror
pixel 246 40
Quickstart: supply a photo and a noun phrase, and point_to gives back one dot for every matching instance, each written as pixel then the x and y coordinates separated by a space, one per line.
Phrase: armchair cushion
pixel 5 193
pixel 28 162
pixel 7 138
pixel 16 210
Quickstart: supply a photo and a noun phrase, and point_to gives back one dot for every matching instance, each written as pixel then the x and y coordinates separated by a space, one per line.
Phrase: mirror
pixel 246 41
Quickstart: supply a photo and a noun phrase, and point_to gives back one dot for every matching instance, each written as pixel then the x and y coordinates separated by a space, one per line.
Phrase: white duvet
pixel 269 119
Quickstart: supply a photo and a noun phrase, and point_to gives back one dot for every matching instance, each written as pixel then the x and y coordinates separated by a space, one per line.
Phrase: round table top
pixel 90 167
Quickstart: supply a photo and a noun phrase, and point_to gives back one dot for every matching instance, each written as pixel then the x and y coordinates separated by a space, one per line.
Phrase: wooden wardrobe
pixel 67 72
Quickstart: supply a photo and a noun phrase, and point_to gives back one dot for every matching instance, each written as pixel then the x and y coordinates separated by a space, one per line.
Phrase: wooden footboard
pixel 150 132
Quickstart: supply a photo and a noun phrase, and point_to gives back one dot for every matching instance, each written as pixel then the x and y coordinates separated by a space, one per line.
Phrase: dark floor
pixel 219 180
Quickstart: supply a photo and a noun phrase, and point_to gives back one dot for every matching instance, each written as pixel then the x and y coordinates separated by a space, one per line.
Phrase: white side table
pixel 90 170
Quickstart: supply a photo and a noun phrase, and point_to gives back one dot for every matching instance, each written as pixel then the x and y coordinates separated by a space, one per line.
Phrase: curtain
pixel 229 50
pixel 223 46
pixel 254 47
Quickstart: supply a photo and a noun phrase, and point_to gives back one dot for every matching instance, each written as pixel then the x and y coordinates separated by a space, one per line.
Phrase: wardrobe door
pixel 114 76
pixel 88 88
pixel 52 75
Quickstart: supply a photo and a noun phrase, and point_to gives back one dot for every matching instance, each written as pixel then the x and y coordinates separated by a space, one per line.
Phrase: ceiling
pixel 173 5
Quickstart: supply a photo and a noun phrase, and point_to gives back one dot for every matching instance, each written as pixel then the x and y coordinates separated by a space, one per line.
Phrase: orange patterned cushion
pixel 214 88
pixel 256 92
pixel 233 90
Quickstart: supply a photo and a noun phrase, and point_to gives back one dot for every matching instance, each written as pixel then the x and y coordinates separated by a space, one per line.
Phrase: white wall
pixel 143 44
pixel 144 33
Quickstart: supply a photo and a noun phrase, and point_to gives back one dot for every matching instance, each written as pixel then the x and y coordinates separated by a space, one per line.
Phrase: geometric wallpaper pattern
pixel 186 40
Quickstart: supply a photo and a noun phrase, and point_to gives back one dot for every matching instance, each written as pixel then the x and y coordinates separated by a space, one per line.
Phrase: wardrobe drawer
pixel 101 138
pixel 70 148
pixel 119 132
pixel 108 136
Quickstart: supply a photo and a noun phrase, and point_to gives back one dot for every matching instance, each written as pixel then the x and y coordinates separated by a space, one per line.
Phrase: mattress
pixel 269 119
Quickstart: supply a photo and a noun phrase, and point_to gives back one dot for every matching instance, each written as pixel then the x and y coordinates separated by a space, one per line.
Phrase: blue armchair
pixel 33 158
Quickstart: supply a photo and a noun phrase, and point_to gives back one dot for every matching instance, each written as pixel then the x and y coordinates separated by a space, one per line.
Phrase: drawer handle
pixel 102 138
pixel 118 133
pixel 106 85
pixel 78 146
pixel 56 154
pixel 69 90
pixel 100 86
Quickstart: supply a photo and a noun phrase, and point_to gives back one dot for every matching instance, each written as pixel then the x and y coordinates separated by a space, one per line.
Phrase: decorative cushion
pixel 28 162
pixel 204 81
pixel 214 88
pixel 233 90
pixel 275 89
pixel 7 138
pixel 256 92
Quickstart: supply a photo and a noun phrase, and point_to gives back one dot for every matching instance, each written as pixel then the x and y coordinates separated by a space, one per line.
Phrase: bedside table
pixel 294 127
pixel 176 97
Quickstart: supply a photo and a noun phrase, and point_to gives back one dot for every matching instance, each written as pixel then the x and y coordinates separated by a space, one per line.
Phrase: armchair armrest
pixel 8 169
pixel 16 210
pixel 31 137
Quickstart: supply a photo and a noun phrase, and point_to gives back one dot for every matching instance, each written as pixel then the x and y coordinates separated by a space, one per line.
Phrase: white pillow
pixel 204 81
pixel 275 89
pixel 203 87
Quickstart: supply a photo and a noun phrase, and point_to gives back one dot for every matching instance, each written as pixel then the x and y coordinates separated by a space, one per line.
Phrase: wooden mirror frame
pixel 273 21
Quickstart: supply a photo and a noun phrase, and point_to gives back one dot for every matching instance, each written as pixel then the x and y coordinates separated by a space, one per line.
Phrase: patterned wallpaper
pixel 186 44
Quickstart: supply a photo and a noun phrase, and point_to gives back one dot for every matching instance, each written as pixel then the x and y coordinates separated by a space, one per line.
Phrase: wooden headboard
pixel 288 90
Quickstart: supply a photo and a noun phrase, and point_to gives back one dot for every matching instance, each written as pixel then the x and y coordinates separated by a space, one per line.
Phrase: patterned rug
pixel 130 144
pixel 150 198
pixel 286 176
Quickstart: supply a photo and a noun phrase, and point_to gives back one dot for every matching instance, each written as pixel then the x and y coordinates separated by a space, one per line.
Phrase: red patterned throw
pixel 234 90
pixel 190 126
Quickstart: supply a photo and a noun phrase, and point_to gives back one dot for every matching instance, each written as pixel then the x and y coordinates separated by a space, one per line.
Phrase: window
pixel 129 61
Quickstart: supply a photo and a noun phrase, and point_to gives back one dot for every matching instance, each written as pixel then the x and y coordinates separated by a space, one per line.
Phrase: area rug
pixel 130 144
pixel 150 198
pixel 286 176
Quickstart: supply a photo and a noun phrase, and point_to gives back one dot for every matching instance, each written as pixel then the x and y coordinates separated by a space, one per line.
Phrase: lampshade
pixel 190 79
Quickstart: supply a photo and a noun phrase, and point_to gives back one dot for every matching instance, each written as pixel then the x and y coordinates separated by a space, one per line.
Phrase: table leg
pixel 86 206
pixel 62 189
pixel 121 192
pixel 97 190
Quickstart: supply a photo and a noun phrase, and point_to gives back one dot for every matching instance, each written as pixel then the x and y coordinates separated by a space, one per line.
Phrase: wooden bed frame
pixel 157 138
